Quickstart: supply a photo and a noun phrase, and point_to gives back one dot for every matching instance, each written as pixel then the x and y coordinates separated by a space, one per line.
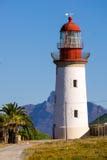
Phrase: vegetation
pixel 82 149
pixel 39 135
pixel 33 134
pixel 13 120
pixel 102 119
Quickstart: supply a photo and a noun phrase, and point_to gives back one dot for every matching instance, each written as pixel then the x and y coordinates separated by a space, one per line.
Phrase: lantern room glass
pixel 70 39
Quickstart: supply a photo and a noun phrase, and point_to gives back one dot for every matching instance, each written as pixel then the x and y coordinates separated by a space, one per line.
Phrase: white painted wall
pixel 68 99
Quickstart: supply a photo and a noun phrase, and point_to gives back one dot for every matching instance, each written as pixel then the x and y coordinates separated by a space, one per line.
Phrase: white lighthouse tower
pixel 70 110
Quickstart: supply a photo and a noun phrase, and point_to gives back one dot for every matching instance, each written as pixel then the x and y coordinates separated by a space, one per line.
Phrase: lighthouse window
pixel 75 83
pixel 75 113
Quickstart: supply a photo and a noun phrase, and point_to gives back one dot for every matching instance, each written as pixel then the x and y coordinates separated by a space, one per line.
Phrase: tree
pixel 13 120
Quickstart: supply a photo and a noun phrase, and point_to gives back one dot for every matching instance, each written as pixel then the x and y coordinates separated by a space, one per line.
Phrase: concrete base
pixel 70 133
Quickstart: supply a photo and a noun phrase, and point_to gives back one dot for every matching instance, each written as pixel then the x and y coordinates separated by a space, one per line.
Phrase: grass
pixel 82 149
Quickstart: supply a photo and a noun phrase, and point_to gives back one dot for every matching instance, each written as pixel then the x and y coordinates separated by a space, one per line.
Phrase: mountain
pixel 100 120
pixel 95 111
pixel 42 114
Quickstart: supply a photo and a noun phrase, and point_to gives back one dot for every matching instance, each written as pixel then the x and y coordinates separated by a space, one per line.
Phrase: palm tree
pixel 14 118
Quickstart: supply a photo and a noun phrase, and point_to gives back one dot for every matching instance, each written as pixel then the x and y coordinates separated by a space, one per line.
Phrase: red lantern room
pixel 70 45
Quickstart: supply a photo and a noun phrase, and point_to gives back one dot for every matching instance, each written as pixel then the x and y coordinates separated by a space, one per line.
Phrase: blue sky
pixel 29 31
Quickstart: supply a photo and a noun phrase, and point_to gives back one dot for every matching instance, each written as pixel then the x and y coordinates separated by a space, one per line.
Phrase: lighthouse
pixel 70 109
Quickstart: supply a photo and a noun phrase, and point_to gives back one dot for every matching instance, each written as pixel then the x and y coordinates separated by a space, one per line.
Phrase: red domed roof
pixel 70 26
